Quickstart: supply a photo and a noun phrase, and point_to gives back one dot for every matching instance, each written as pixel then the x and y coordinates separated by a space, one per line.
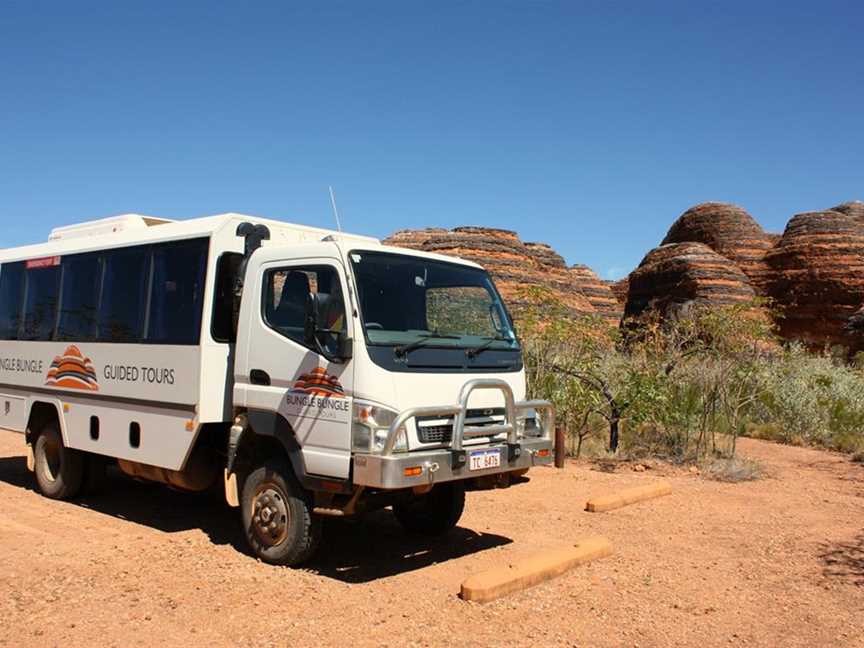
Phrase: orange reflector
pixel 190 425
pixel 543 453
pixel 413 471
pixel 65 407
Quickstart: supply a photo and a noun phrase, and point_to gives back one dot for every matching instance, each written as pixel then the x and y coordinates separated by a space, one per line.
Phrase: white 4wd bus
pixel 315 372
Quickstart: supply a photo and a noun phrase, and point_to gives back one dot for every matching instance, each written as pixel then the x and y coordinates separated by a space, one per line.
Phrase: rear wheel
pixel 434 513
pixel 277 516
pixel 59 470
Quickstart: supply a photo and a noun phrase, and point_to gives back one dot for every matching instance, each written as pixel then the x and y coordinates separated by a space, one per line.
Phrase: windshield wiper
pixel 473 353
pixel 423 341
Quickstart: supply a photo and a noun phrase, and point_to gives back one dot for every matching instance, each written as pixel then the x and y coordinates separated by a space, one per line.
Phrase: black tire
pixel 277 516
pixel 59 470
pixel 434 513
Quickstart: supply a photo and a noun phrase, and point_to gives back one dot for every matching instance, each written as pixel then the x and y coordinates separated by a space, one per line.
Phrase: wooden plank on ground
pixel 500 581
pixel 629 496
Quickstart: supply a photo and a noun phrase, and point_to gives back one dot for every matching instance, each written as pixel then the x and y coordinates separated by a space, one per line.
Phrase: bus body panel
pixel 165 435
pixel 161 374
pixel 14 410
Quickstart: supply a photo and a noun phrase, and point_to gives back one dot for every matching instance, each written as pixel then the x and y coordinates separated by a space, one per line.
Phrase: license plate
pixel 483 459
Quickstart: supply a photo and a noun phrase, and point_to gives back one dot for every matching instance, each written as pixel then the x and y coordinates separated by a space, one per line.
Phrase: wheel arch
pixel 271 432
pixel 41 411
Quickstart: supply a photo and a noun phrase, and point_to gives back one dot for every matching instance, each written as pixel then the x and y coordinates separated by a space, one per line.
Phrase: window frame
pixel 204 243
pixel 431 345
pixel 103 254
pixel 26 315
pixel 20 267
pixel 302 267
pixel 145 289
pixel 79 256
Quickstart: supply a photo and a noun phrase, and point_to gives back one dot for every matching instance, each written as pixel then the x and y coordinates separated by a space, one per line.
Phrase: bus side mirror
pixel 346 347
pixel 312 331
pixel 310 320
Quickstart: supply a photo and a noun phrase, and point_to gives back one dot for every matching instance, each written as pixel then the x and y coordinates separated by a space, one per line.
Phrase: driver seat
pixel 291 311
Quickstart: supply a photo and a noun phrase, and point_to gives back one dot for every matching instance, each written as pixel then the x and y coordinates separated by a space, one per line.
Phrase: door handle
pixel 258 377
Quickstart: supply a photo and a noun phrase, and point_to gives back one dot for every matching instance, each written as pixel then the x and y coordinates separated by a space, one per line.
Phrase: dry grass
pixel 734 469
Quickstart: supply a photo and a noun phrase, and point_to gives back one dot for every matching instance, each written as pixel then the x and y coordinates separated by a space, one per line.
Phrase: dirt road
pixel 778 562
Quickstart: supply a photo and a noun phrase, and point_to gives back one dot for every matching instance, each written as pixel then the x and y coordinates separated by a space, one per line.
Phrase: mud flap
pixel 231 494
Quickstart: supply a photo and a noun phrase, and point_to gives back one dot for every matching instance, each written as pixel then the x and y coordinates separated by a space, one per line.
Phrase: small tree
pixel 565 361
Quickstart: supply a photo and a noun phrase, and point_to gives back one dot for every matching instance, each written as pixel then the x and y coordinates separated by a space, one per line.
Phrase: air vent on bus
pixel 106 226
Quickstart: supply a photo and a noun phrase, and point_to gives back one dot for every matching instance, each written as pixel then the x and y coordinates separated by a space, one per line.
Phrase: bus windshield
pixel 411 302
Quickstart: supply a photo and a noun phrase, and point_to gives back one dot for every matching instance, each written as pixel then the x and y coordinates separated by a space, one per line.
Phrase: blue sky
pixel 588 125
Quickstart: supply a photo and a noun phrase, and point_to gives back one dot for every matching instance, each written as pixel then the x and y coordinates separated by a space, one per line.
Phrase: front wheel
pixel 277 516
pixel 434 513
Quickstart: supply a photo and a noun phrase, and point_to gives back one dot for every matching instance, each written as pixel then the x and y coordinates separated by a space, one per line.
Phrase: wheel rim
pixel 270 515
pixel 51 465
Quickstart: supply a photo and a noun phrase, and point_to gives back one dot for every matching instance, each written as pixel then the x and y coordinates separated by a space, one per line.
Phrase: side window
pixel 460 310
pixel 285 293
pixel 222 321
pixel 79 299
pixel 177 292
pixel 40 302
pixel 121 311
pixel 11 295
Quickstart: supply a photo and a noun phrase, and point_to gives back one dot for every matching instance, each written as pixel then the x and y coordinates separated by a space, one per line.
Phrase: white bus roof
pixel 135 229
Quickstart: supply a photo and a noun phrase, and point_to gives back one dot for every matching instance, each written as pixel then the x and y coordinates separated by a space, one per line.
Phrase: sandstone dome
pixel 817 276
pixel 728 230
pixel 675 274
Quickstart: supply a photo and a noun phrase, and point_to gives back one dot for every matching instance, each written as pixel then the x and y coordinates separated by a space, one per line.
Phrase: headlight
pixel 527 425
pixel 370 425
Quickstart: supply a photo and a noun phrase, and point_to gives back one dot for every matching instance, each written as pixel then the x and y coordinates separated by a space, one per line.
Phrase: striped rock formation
pixel 676 274
pixel 620 289
pixel 728 230
pixel 713 253
pixel 855 209
pixel 545 255
pixel 515 265
pixel 817 277
pixel 598 292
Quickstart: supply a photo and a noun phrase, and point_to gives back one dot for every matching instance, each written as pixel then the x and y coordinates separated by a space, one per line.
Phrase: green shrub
pixel 686 389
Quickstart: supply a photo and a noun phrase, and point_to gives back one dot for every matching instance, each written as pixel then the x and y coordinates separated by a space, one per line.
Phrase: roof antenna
pixel 335 211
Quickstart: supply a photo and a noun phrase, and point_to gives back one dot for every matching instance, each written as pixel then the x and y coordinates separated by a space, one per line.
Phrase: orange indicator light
pixel 413 471
pixel 543 453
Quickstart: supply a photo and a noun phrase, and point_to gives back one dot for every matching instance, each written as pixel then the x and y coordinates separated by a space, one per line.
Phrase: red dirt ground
pixel 776 562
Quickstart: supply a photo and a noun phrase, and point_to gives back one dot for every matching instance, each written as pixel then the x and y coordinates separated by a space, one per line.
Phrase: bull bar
pixel 389 470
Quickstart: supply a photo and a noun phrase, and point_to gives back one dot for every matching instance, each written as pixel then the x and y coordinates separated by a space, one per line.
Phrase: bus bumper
pixel 410 469
pixel 393 470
